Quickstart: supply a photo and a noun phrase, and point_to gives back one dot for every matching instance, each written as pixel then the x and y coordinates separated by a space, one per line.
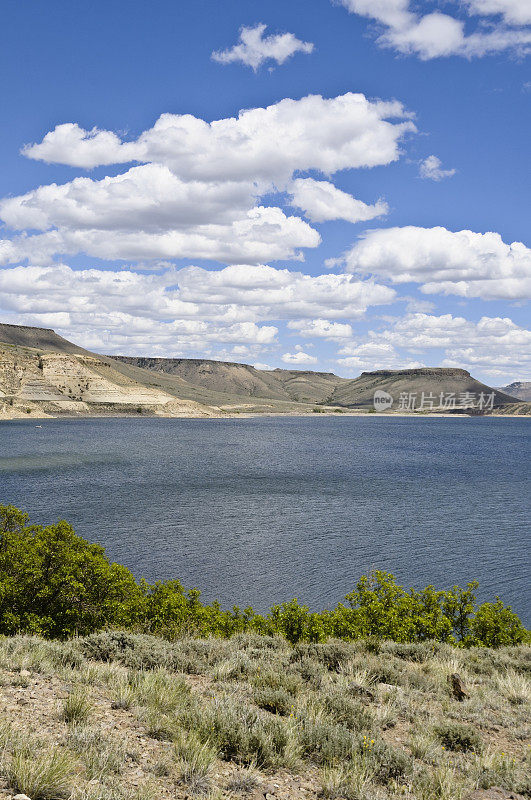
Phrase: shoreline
pixel 257 415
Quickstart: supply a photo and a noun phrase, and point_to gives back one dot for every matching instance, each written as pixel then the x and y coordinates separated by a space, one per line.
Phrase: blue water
pixel 256 511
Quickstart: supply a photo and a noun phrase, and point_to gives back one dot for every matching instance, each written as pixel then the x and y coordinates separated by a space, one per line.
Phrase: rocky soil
pixel 122 717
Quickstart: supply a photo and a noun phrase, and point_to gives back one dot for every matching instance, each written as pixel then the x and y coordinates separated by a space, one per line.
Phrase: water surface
pixel 255 511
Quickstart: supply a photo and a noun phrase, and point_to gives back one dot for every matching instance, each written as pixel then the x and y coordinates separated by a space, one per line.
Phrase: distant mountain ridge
pixel 519 389
pixel 323 388
pixel 40 370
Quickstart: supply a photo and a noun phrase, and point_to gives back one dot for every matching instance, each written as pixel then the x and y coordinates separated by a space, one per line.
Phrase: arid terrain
pixel 117 716
pixel 42 374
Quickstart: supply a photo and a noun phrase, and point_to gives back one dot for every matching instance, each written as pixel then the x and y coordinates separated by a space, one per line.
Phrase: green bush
pixel 459 738
pixel 324 742
pixel 346 711
pixel 277 701
pixel 57 585
pixel 279 680
pixel 389 763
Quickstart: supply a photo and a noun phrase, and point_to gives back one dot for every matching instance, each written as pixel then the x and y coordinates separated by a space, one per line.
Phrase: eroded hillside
pixel 43 373
pixel 33 381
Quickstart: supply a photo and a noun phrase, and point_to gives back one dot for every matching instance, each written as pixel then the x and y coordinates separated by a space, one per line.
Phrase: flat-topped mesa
pixel 38 338
pixel 151 362
pixel 302 372
pixel 39 369
pixel 31 329
pixel 441 372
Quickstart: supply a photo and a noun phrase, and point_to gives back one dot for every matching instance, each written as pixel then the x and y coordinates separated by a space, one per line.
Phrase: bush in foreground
pixel 55 584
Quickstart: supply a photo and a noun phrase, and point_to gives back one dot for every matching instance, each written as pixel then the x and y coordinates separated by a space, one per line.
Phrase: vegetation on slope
pixel 120 716
pixel 55 584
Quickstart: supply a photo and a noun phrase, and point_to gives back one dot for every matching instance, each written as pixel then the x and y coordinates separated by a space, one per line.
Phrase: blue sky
pixel 159 250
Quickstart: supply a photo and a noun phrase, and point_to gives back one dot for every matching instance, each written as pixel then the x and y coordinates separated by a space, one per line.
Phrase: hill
pixel 42 373
pixel 47 374
pixel 234 380
pixel 319 388
pixel 39 338
pixel 519 389
pixel 428 380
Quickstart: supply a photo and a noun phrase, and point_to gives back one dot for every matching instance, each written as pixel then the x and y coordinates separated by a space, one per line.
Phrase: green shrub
pixel 325 742
pixel 388 763
pixel 56 585
pixel 277 701
pixel 459 738
pixel 309 670
pixel 195 761
pixel 495 625
pixel 346 711
pixel 278 679
pixel 239 733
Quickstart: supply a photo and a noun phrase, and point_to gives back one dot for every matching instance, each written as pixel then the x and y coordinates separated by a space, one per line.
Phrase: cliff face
pixel 55 382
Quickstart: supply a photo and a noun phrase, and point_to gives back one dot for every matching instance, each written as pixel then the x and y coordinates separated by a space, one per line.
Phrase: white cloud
pixel 322 201
pixel 298 358
pixel 259 234
pixel 270 293
pixel 187 297
pixel 148 197
pixel 321 329
pixel 463 262
pixel 196 193
pixel 495 345
pixel 253 49
pixel 514 12
pixel 431 168
pixel 415 304
pixel 261 144
pixel 436 35
pixel 370 356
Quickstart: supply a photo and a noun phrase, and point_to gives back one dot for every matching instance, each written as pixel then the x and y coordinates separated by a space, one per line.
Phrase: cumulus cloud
pixel 188 309
pixel 253 49
pixel 269 293
pixel 267 144
pixel 148 197
pixel 260 234
pixel 495 346
pixel 322 201
pixel 299 358
pixel 321 329
pixel 196 190
pixel 464 263
pixel 431 168
pixel 374 355
pixel 436 35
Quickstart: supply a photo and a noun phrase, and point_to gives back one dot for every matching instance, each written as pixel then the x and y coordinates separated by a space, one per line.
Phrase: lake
pixel 255 511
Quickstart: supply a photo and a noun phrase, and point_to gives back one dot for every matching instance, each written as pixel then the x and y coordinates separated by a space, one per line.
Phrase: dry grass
pixel 94 720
